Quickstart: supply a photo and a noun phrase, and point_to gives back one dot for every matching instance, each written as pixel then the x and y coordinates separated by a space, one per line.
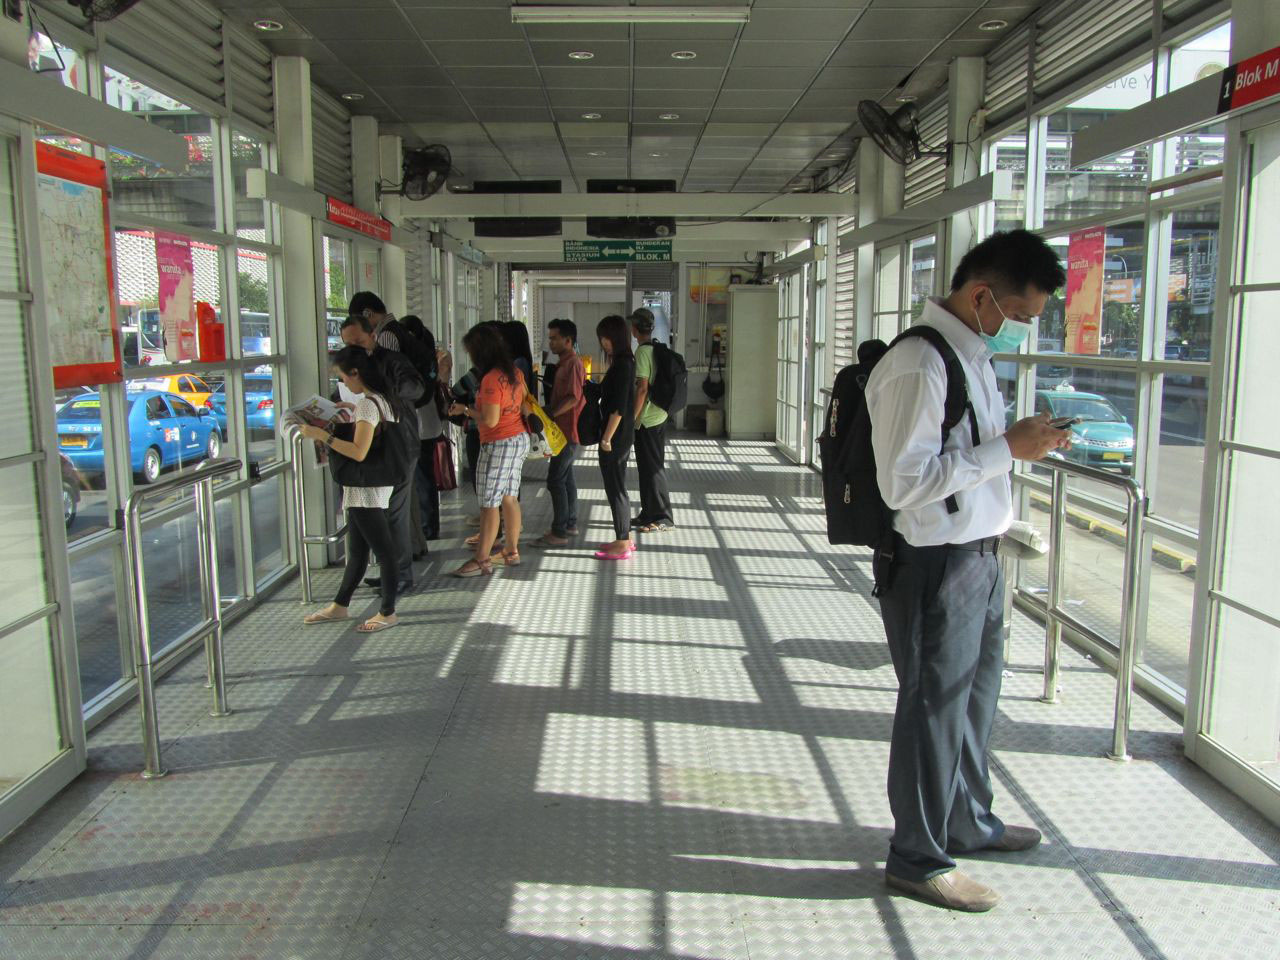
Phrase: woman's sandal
pixel 508 558
pixel 326 615
pixel 474 568
pixel 377 623
pixel 607 555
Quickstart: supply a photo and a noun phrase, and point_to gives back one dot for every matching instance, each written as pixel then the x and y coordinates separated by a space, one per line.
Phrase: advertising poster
pixel 176 274
pixel 75 248
pixel 1085 250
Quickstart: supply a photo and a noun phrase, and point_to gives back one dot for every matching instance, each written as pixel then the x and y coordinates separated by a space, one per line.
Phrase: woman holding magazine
pixel 377 411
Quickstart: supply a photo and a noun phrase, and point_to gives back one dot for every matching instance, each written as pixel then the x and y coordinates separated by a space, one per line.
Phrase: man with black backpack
pixel 946 494
pixel 651 430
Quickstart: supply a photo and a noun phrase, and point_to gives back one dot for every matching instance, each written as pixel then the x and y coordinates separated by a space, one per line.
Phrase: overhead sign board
pixel 353 218
pixel 1250 80
pixel 617 251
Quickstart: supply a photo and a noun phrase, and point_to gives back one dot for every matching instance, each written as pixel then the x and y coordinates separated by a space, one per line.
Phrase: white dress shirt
pixel 905 397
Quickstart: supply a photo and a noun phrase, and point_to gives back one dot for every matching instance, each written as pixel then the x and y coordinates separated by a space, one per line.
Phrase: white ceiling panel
pixel 760 103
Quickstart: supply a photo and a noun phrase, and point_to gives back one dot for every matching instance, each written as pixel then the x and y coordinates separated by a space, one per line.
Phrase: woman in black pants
pixel 367 526
pixel 618 415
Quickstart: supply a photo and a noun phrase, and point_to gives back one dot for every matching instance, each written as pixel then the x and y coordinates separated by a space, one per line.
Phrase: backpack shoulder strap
pixel 957 403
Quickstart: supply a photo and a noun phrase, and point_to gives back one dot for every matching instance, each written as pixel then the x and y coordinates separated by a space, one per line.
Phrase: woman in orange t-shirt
pixel 499 411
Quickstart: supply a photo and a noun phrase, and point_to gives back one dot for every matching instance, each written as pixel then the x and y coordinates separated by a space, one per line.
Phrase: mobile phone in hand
pixel 1061 423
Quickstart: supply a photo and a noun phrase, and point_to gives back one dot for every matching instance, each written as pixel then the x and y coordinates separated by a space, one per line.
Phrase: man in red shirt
pixel 566 404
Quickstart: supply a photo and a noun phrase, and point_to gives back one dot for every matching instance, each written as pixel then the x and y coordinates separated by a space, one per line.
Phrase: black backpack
pixel 590 423
pixel 670 387
pixel 390 458
pixel 419 354
pixel 856 511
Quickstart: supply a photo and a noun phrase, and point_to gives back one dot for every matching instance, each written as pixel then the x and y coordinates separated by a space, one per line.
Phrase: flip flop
pixel 375 626
pixel 546 544
pixel 321 617
pixel 606 555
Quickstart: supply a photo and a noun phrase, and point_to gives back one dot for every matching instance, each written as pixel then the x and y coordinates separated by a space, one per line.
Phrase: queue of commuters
pixel 403 387
pixel 936 560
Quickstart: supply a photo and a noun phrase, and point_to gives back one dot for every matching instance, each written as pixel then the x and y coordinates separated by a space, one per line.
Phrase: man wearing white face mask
pixel 943 598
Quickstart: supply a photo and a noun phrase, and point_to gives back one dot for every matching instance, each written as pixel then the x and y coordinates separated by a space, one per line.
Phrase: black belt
pixel 984 546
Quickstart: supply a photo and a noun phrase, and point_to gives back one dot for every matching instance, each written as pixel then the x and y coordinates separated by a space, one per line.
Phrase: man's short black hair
pixel 357 320
pixel 1011 260
pixel 366 300
pixel 566 328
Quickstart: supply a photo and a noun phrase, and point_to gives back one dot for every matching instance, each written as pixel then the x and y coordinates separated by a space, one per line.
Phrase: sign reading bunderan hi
pixel 356 219
pixel 1250 80
pixel 616 251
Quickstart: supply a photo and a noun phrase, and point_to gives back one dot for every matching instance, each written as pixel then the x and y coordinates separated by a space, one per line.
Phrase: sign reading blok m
pixel 344 214
pixel 1250 80
pixel 617 251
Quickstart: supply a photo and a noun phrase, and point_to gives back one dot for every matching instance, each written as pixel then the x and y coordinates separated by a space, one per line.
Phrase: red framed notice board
pixel 79 277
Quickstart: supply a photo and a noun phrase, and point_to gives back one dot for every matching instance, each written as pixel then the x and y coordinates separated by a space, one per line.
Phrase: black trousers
pixel 943 615
pixel 428 492
pixel 368 530
pixel 613 469
pixel 651 462
pixel 473 457
pixel 400 517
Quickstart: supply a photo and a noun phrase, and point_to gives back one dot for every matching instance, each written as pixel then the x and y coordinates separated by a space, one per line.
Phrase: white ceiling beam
pixel 997 185
pixel 34 98
pixel 444 206
pixel 551 250
pixel 1186 108
pixel 763 236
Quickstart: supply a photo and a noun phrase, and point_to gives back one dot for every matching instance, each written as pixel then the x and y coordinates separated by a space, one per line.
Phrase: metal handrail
pixel 295 437
pixel 201 480
pixel 1056 617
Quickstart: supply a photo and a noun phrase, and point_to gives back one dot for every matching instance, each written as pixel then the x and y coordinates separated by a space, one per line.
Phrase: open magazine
pixel 315 411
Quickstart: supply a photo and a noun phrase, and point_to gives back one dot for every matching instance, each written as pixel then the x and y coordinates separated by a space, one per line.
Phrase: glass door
pixel 42 747
pixel 791 314
pixel 1236 730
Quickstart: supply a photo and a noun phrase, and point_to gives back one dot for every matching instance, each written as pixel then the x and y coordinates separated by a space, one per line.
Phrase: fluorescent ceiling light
pixel 583 13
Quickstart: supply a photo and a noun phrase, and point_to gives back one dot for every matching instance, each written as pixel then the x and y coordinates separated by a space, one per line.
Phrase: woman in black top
pixel 618 416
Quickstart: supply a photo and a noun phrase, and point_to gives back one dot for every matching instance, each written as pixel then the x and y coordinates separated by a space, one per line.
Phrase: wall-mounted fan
pixel 102 9
pixel 425 171
pixel 896 133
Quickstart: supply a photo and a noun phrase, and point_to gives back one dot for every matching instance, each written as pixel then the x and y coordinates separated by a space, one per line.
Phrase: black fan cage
pixel 102 9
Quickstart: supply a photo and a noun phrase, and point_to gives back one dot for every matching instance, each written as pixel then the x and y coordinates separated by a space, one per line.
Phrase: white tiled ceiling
pixel 762 106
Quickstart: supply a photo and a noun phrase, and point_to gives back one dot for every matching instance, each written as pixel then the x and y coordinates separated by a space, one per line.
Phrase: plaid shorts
pixel 499 469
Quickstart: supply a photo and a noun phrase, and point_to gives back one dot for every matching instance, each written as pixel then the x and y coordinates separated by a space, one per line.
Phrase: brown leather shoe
pixel 1017 838
pixel 953 890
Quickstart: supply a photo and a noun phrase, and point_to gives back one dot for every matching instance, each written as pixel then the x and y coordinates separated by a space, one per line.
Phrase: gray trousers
pixel 400 517
pixel 943 615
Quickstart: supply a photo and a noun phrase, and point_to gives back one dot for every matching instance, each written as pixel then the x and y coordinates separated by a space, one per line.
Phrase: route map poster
pixel 176 274
pixel 75 246
pixel 1084 291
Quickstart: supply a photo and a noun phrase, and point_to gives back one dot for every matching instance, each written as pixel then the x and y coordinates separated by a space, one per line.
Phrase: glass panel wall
pixel 202 348
pixel 29 690
pixel 1144 377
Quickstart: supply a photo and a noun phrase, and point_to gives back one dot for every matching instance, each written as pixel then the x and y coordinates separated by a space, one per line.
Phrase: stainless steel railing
pixel 297 453
pixel 1056 617
pixel 210 627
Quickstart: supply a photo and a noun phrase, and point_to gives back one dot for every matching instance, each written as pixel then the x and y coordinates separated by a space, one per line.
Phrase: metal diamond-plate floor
pixel 679 756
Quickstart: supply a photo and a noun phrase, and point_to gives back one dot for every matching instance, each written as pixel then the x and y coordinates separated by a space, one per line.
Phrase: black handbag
pixel 389 460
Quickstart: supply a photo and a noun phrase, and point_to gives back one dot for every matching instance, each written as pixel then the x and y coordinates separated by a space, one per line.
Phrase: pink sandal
pixel 606 555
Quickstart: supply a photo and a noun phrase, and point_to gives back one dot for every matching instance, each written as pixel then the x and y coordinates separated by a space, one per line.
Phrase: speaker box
pixel 517 226
pixel 631 228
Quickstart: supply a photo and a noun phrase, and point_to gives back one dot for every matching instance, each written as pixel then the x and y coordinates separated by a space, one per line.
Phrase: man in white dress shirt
pixel 942 592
